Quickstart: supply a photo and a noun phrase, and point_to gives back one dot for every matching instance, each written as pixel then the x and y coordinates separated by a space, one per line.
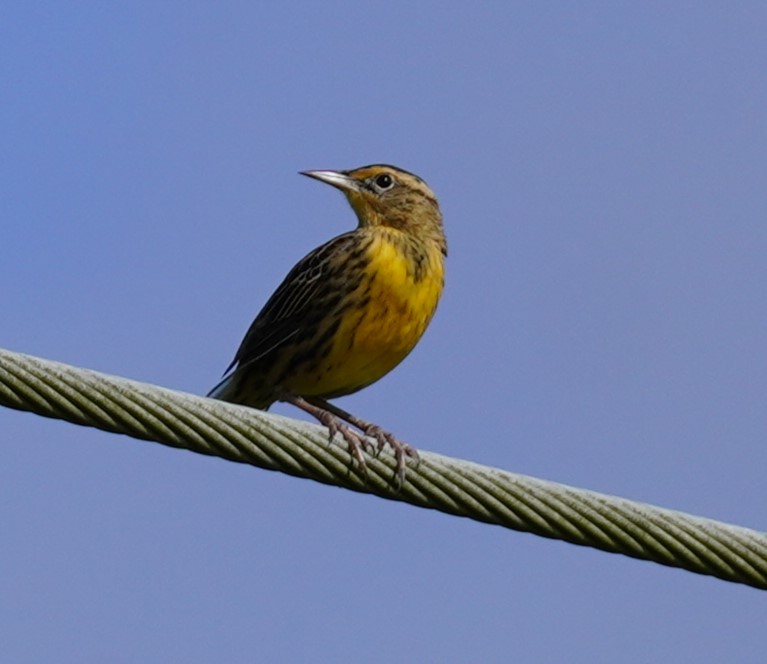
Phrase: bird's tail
pixel 234 389
pixel 224 391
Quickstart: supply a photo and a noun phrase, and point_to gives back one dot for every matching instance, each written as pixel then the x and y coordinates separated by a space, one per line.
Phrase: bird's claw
pixel 401 449
pixel 361 443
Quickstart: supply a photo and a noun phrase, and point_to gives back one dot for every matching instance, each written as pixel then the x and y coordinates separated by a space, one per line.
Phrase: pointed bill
pixel 337 179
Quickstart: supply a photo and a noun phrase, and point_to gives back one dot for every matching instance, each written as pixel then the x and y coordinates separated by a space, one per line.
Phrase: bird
pixel 349 311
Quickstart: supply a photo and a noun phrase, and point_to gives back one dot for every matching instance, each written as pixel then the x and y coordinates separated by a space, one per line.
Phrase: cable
pixel 449 485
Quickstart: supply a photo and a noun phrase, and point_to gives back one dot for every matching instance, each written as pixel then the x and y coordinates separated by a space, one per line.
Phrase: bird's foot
pixel 400 448
pixel 338 421
pixel 358 444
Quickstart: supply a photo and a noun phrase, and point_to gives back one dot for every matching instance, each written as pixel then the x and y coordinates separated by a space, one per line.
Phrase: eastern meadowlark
pixel 350 311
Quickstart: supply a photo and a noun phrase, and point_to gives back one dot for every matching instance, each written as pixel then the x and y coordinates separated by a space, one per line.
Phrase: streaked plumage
pixel 351 310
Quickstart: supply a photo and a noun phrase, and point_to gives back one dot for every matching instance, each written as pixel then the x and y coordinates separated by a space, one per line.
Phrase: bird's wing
pixel 285 313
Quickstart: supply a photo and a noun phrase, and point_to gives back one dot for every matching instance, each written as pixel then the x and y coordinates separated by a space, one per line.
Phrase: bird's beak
pixel 337 179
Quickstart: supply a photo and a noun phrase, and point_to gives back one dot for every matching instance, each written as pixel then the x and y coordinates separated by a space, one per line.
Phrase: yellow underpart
pixel 373 339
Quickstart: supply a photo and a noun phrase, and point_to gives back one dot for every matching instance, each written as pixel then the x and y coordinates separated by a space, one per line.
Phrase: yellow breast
pixel 396 301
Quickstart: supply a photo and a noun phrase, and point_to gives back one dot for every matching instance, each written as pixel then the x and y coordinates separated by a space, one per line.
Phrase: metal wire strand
pixel 453 486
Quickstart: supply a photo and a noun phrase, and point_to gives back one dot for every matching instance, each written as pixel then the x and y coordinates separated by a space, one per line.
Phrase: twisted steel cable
pixel 449 485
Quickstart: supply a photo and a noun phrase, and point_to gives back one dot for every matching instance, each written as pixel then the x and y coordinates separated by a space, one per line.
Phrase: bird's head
pixel 384 195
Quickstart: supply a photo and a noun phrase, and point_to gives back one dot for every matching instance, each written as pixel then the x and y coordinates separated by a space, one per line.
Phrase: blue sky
pixel 601 168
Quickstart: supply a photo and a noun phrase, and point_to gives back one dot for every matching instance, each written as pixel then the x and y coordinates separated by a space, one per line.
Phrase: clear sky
pixel 601 168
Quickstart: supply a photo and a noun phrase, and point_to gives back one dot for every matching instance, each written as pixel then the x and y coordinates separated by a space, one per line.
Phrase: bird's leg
pixel 325 416
pixel 382 437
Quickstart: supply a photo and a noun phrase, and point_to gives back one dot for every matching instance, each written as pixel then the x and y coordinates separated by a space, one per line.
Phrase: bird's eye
pixel 384 181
